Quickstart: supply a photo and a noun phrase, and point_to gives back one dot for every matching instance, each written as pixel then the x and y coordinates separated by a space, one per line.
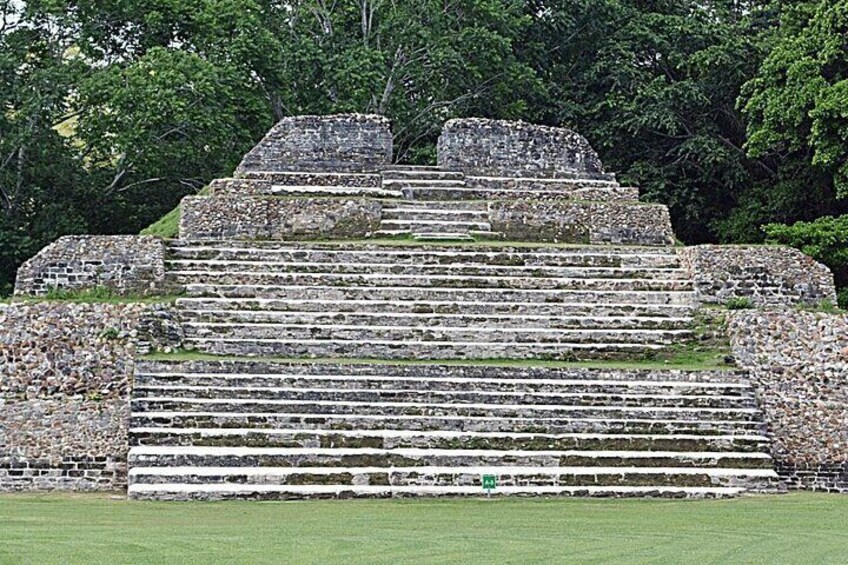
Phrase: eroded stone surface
pixel 766 275
pixel 798 362
pixel 486 147
pixel 338 143
pixel 125 264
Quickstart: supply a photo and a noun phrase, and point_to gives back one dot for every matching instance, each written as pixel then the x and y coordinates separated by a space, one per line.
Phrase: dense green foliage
pixel 57 528
pixel 825 239
pixel 730 112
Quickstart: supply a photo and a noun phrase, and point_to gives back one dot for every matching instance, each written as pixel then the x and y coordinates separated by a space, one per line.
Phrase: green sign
pixel 489 482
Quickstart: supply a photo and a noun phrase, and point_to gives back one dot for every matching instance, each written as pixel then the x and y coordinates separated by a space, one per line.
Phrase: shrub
pixel 739 303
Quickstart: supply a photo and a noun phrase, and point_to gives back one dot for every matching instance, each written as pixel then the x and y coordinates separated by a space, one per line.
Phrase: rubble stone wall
pixel 239 217
pixel 562 221
pixel 335 143
pixel 764 274
pixel 495 147
pixel 798 362
pixel 125 264
pixel 65 380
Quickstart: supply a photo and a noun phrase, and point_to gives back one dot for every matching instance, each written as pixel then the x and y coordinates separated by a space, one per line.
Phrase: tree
pixel 796 102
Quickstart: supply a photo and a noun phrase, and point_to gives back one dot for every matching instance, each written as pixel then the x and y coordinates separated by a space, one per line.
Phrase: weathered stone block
pixel 335 143
pixel 125 264
pixel 563 221
pixel 239 217
pixel 495 147
pixel 766 275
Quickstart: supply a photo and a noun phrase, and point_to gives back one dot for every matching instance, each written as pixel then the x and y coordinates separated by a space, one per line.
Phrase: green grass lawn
pixel 798 528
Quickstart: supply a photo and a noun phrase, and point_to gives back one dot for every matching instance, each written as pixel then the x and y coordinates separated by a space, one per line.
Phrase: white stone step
pixel 225 490
pixel 416 223
pixel 321 190
pixel 443 434
pixel 693 410
pixel 153 451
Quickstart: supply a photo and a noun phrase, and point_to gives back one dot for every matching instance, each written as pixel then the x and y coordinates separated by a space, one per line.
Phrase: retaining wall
pixel 798 362
pixel 237 217
pixel 125 264
pixel 65 378
pixel 561 221
pixel 766 275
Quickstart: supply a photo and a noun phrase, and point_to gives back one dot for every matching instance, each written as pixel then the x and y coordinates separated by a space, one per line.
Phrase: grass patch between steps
pixel 98 295
pixel 677 358
pixel 98 528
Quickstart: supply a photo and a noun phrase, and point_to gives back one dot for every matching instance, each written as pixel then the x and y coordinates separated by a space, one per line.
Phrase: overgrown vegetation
pixel 731 113
pixel 825 239
pixel 98 294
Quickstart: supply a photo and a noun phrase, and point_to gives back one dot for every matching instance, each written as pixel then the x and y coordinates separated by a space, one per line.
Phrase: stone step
pixel 442 236
pixel 456 396
pixel 427 307
pixel 537 373
pixel 429 255
pixel 302 178
pixel 409 214
pixel 435 293
pixel 439 439
pixel 188 456
pixel 421 174
pixel 219 491
pixel 426 383
pixel 420 350
pixel 506 476
pixel 408 270
pixel 422 182
pixel 365 318
pixel 364 422
pixel 254 277
pixel 432 333
pixel 434 225
pixel 460 193
pixel 312 190
pixel 419 408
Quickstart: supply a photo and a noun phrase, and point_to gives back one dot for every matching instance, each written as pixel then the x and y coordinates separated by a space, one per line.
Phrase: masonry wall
pixel 65 379
pixel 479 146
pixel 562 221
pixel 237 217
pixel 335 143
pixel 798 362
pixel 766 275
pixel 125 264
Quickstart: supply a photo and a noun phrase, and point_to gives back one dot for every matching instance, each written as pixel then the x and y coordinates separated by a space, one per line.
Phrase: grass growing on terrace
pixel 54 528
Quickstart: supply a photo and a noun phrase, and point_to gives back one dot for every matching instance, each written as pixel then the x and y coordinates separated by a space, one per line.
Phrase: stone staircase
pixel 258 429
pixel 440 220
pixel 430 302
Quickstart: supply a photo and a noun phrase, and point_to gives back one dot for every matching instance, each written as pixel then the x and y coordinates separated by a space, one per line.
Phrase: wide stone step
pixel 439 439
pixel 457 270
pixel 454 193
pixel 428 333
pixel 435 212
pixel 422 174
pixel 179 456
pixel 362 422
pixel 434 225
pixel 415 281
pixel 479 372
pixel 455 294
pixel 302 178
pixel 420 408
pixel 516 477
pixel 598 256
pixel 424 383
pixel 456 396
pixel 313 190
pixel 415 181
pixel 425 307
pixel 218 491
pixel 439 320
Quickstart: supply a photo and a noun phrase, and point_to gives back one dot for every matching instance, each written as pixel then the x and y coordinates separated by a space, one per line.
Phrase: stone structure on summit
pixel 321 265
